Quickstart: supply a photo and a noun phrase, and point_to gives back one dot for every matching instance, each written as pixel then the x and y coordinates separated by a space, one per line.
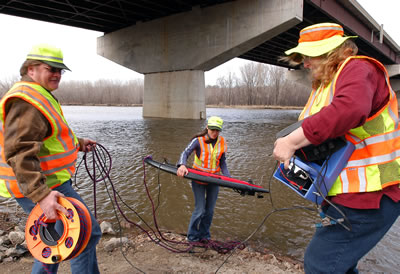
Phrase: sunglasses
pixel 55 70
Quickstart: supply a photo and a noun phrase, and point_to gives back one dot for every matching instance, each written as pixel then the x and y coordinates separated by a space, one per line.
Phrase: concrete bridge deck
pixel 174 42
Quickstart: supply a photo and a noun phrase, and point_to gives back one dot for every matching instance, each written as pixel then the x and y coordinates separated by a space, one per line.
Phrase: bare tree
pixel 249 79
pixel 7 83
pixel 102 92
pixel 276 79
pixel 228 84
pixel 259 84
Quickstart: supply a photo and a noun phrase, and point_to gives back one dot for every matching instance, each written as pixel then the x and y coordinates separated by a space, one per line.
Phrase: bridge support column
pixel 300 77
pixel 174 51
pixel 176 94
pixel 394 70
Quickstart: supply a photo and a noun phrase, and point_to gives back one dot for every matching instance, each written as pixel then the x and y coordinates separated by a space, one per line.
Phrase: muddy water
pixel 250 135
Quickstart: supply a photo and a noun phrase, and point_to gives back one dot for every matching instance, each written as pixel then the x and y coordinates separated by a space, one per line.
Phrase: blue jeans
pixel 86 262
pixel 205 198
pixel 336 250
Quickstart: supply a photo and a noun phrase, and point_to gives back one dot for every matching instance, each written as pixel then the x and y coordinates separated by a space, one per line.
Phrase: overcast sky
pixel 79 45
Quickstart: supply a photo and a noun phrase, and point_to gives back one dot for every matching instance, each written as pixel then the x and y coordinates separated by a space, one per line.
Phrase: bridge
pixel 174 42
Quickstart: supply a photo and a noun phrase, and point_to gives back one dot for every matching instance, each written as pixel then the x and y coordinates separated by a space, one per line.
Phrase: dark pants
pixel 205 198
pixel 333 249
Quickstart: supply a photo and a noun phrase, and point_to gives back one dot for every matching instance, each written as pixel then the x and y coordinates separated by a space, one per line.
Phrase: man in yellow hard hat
pixel 351 97
pixel 39 150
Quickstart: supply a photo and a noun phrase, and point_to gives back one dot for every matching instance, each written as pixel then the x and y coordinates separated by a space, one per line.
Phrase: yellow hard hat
pixel 49 55
pixel 214 122
pixel 319 39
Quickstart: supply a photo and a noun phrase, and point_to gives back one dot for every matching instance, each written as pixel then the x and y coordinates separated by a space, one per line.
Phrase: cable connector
pixel 326 220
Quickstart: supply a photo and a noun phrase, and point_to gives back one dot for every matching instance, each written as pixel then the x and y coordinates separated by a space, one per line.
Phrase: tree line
pixel 257 85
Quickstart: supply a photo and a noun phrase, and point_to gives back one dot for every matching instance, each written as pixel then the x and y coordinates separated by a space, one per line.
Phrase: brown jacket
pixel 25 128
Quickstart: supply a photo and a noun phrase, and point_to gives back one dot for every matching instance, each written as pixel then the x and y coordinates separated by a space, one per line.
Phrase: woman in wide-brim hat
pixel 351 97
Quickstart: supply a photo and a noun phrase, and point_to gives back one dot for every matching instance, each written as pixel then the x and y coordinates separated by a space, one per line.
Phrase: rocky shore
pixel 133 253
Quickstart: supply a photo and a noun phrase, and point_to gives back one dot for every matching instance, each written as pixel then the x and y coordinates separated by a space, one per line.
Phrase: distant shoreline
pixel 207 106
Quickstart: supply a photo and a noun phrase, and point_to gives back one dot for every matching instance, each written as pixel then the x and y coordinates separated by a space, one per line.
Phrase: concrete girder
pixel 200 39
pixel 173 50
pixel 395 83
pixel 300 76
pixel 394 70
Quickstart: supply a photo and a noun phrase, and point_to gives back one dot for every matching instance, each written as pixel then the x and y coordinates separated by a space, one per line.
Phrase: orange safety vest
pixel 210 155
pixel 58 153
pixel 375 162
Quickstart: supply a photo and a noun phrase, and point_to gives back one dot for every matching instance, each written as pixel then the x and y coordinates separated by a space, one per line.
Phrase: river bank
pixel 140 255
pixel 251 135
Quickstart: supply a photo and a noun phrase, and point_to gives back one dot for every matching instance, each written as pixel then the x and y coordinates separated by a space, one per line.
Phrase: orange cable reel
pixel 46 244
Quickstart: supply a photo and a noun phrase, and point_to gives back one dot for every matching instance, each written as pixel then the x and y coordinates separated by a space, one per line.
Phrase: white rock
pixel 114 243
pixel 106 228
pixel 17 251
pixel 16 237
pixel 8 259
pixel 4 240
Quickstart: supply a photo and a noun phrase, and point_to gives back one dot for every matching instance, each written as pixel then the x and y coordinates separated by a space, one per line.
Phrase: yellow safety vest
pixel 210 155
pixel 58 154
pixel 375 162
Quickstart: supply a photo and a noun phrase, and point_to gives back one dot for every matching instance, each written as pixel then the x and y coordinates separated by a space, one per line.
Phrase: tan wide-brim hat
pixel 319 39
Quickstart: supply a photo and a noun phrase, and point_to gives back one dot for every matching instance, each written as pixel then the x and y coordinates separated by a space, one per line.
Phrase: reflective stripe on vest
pixel 317 100
pixel 58 154
pixel 209 155
pixel 375 162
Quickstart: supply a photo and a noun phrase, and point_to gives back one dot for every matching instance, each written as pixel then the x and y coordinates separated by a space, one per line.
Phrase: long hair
pixel 201 134
pixel 330 62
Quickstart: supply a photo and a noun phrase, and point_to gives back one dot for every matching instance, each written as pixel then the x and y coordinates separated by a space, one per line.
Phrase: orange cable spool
pixel 45 243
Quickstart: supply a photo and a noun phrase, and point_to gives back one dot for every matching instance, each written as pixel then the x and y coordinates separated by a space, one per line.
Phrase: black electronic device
pixel 313 169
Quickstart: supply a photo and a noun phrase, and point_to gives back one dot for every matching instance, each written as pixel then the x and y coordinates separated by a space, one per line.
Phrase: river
pixel 250 134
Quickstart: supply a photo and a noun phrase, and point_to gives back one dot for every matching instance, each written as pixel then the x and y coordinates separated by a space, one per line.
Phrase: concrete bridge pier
pixel 175 94
pixel 173 52
pixel 394 70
